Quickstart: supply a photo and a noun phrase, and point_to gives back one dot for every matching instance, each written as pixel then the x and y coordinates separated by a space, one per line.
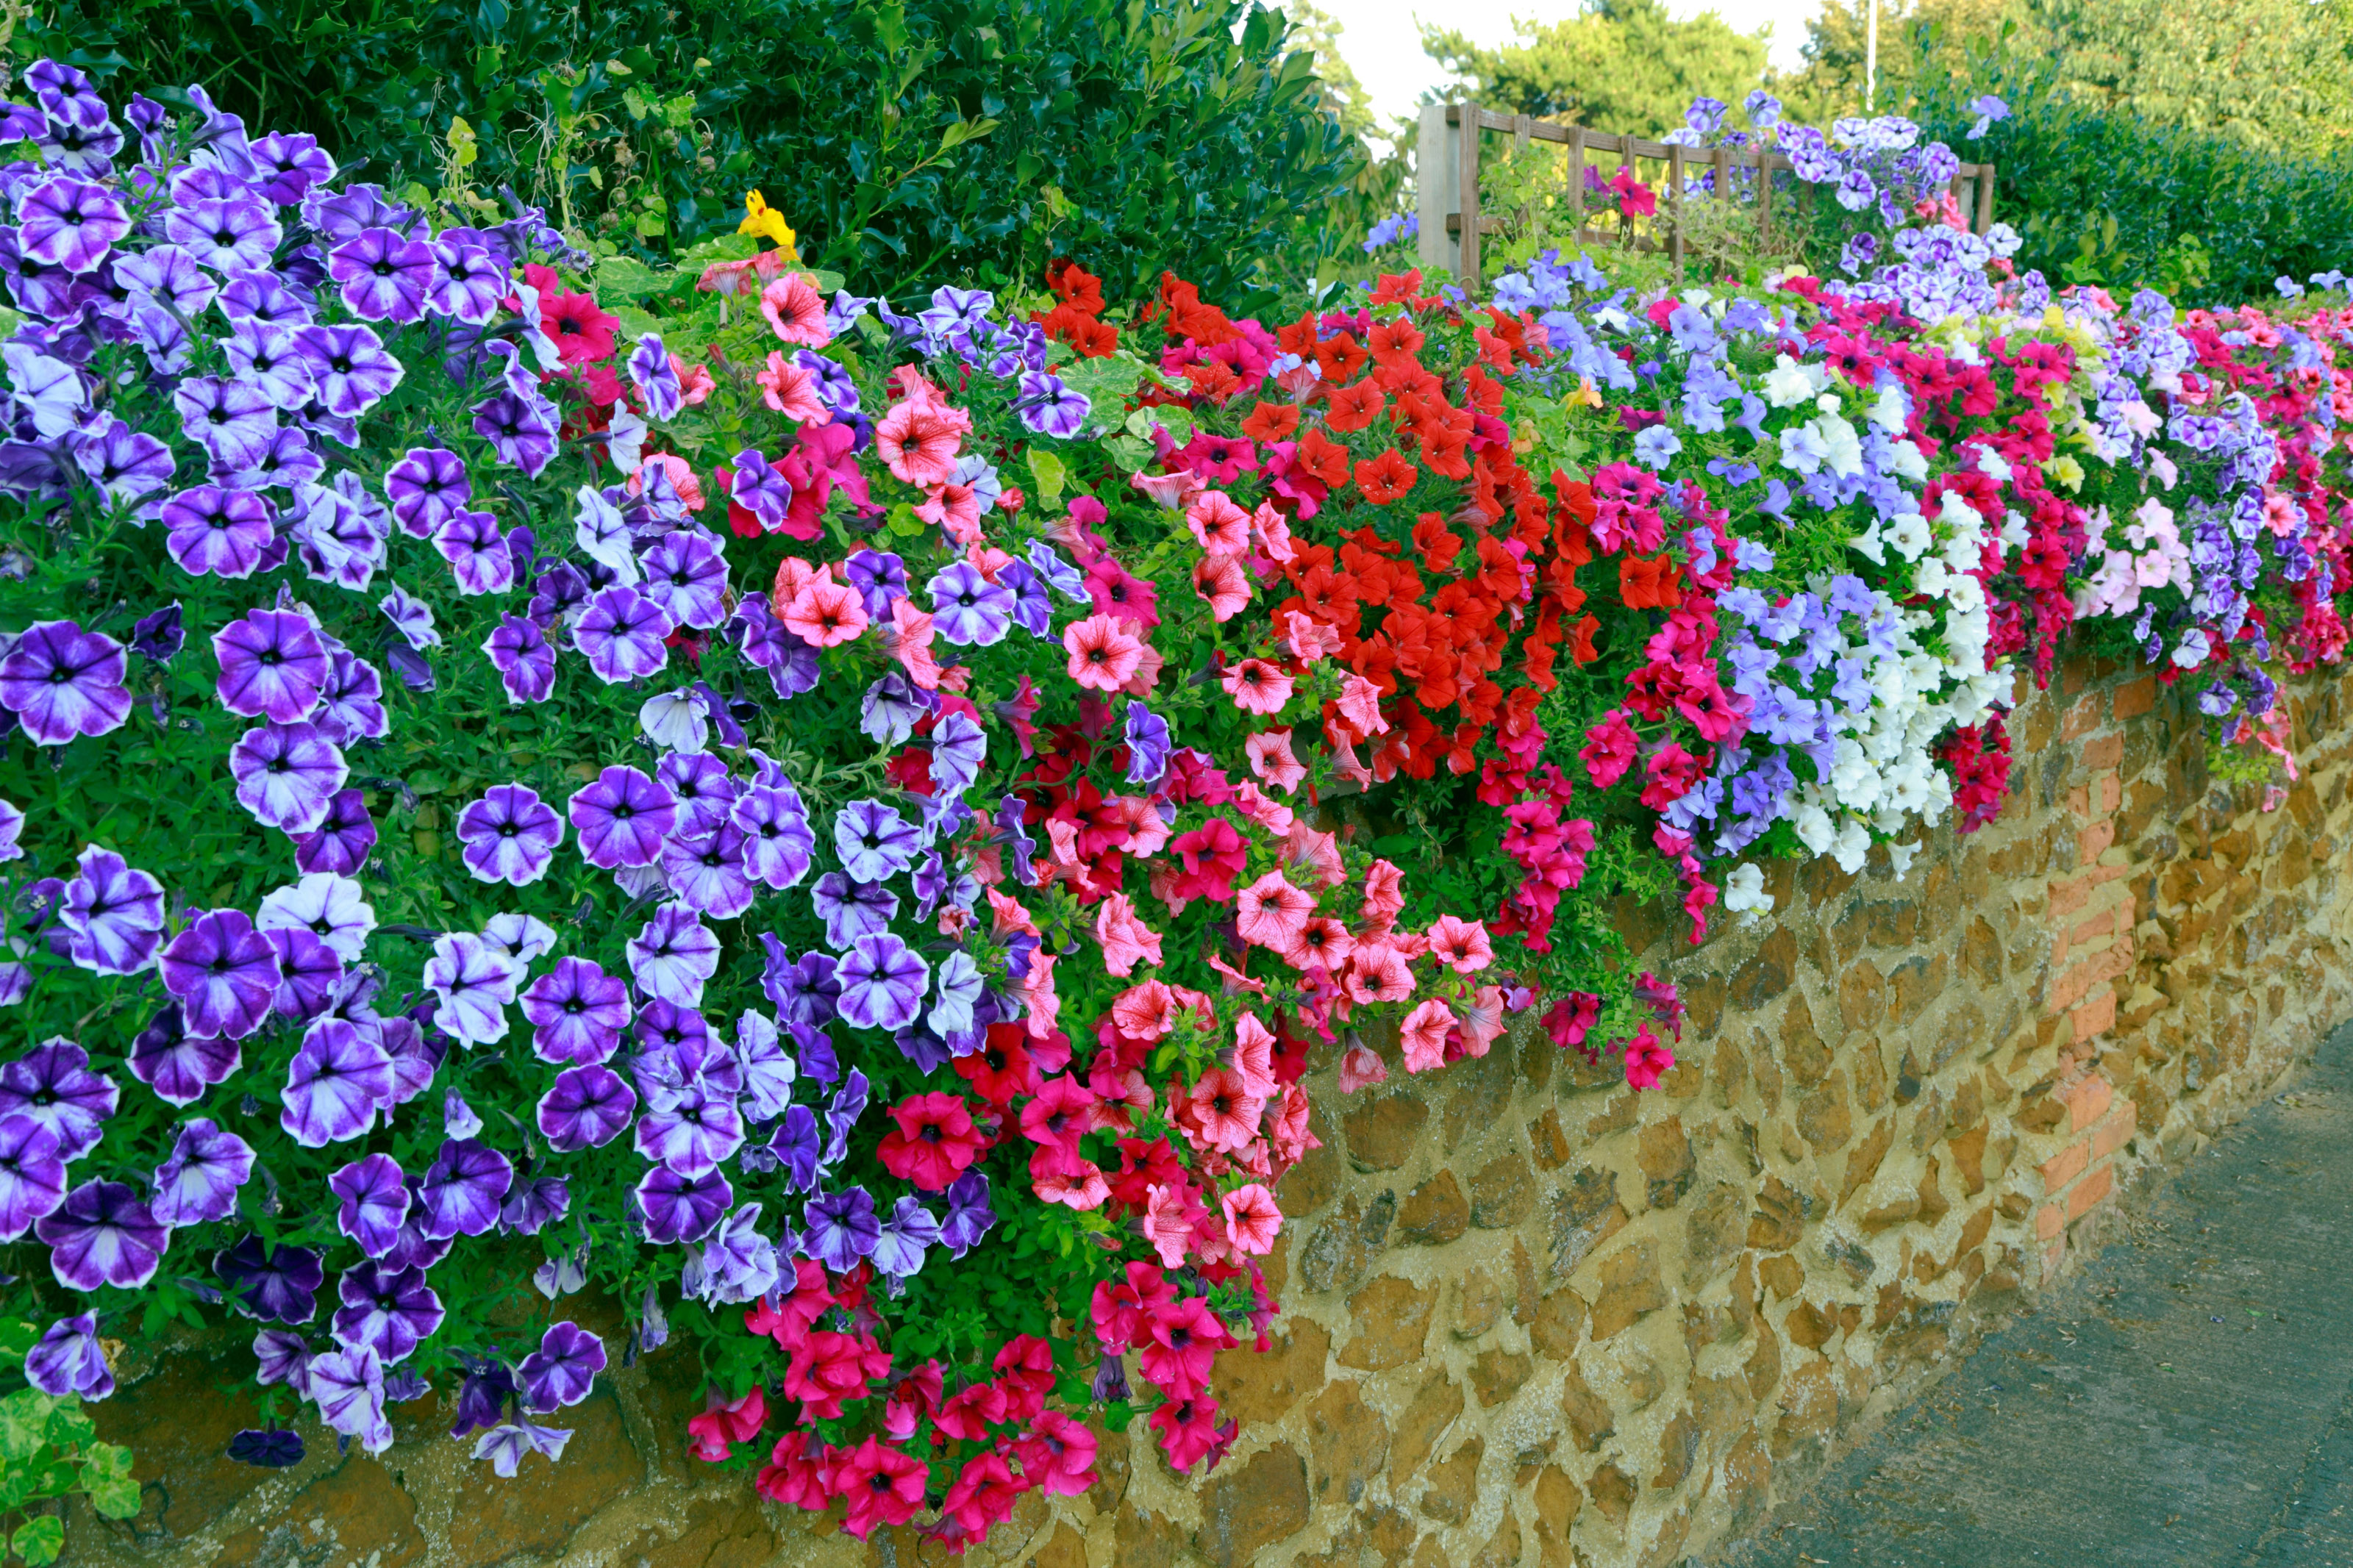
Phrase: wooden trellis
pixel 1447 177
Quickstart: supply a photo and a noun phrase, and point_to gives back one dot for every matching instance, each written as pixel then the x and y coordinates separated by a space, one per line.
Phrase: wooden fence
pixel 1447 180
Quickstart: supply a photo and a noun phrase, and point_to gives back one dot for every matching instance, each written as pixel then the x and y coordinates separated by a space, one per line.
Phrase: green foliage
pixel 1832 83
pixel 910 143
pixel 1620 65
pixel 49 1451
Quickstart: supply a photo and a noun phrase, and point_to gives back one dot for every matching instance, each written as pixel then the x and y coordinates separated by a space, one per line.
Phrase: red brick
pixel 2052 1256
pixel 2098 928
pixel 2086 1099
pixel 2069 895
pixel 2079 800
pixel 2134 697
pixel 2049 1221
pixel 2084 717
pixel 2112 794
pixel 2116 1131
pixel 2096 1016
pixel 2104 751
pixel 2090 1191
pixel 2065 1166
pixel 2076 983
pixel 2094 841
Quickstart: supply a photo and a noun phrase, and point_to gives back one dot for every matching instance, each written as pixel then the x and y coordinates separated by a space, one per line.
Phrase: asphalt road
pixel 2186 1398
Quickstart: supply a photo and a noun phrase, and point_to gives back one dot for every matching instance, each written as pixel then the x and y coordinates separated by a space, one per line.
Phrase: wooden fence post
pixel 1467 273
pixel 1577 188
pixel 1436 163
pixel 1985 198
pixel 1675 200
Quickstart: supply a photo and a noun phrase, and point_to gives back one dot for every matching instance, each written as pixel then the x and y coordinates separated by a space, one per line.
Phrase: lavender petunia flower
pixel 347 1384
pixel 967 608
pixel 178 1066
pixel 69 223
pixel 275 1284
pixel 198 1184
pixel 47 391
pixel 768 1070
pixel 12 829
pixel 129 466
pixel 969 1217
pixel 32 1173
pixel 462 1189
pixel 778 838
pixel 693 1132
pixel 266 359
pixel 374 1202
pixel 804 990
pixel 467 282
pixel 69 1360
pixel 1049 406
pixel 286 775
pixel 102 1235
pixel 384 275
pixel 563 1370
pixel 672 955
pixel 272 665
pixel 228 234
pixel 113 915
pixel 682 1208
pixel 509 836
pixel 841 1229
pixel 214 532
pixel 686 576
pixel 351 705
pixel 505 1446
pixel 706 871
pixel 875 843
pixel 282 1356
pixel 52 1084
pixel 352 366
pixel 586 1108
pixel 229 419
pixel 274 1447
pixel 427 488
pixel 390 1311
pixel 622 818
pixel 621 633
pixel 475 982
pixel 705 791
pixel 523 657
pixel 477 553
pixel 61 681
pixel 851 910
pixel 412 618
pixel 959 751
pixel 333 907
pixel 909 1232
pixel 341 842
pixel 882 983
pixel 338 1078
pixel 577 1012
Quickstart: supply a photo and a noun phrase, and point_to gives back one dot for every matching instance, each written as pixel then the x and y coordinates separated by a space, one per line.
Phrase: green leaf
pixel 1051 475
pixel 24 1423
pixel 631 278
pixel 116 1498
pixel 39 1542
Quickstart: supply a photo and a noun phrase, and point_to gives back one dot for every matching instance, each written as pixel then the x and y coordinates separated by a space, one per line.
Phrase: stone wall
pixel 1533 1317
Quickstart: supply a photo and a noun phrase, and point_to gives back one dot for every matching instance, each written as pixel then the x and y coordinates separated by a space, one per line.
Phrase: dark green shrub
pixel 910 143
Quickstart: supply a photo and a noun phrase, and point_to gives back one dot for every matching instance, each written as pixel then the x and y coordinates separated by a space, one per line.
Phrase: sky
pixel 1381 40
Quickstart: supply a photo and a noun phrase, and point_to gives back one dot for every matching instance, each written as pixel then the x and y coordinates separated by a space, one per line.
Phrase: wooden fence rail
pixel 1453 224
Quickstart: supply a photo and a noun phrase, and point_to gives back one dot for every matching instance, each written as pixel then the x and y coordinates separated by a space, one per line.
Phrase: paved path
pixel 2186 1398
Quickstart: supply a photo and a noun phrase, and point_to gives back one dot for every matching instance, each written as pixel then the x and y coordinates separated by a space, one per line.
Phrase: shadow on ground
pixel 2186 1398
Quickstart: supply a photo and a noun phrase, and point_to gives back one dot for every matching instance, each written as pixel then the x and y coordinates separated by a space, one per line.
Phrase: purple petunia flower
pixel 563 1370
pixel 778 838
pixel 759 490
pixel 52 1084
pixel 523 657
pixel 352 368
pixel 216 532
pixel 686 576
pixel 679 1208
pixel 969 1217
pixel 112 916
pixel 706 871
pixel 505 1446
pixel 851 910
pixel 622 818
pixel 69 223
pixel 427 488
pixel 280 1355
pixel 309 974
pixel 331 908
pixel 584 1107
pixel 651 369
pixel 467 282
pixel 67 1361
pixel 577 1012
pixel 347 1384
pixel 286 775
pixel 882 983
pixel 477 553
pixel 1148 745
pixel 102 1235
pixel 226 234
pixel 389 1310
pixel 736 1264
pixel 521 432
pixel 275 1448
pixel 672 955
pixel 168 275
pixel 128 465
pixel 385 275
pixel 267 360
pixel 959 751
pixel 351 705
pixel 875 842
pixel 178 1066
pixel 704 790
pixel 621 632
pixel 509 836
pixel 534 1206
pixel 693 1132
pixel 199 1182
pixel 796 1146
pixel 341 842
pixel 275 1284
pixel 374 1201
pixel 32 1173
pixel 904 1237
pixel 61 681
pixel 229 419
pixel 462 1189
pixel 967 608
pixel 841 1229
pixel 337 1079
pixel 272 665
pixel 475 982
pixel 1049 406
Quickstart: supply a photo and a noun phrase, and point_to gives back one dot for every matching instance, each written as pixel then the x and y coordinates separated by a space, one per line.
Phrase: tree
pixel 1315 30
pixel 1620 65
pixel 2269 72
pixel 1915 37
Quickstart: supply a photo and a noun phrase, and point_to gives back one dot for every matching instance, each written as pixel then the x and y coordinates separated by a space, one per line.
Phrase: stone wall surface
pixel 1532 1317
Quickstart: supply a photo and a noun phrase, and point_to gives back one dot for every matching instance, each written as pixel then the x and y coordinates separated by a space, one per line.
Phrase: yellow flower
pixel 760 218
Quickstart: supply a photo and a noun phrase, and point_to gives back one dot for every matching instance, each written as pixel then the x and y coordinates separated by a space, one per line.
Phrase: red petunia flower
pixel 933 1143
pixel 1387 478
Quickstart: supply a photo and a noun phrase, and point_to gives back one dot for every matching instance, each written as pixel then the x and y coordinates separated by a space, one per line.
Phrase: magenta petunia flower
pixel 672 955
pixel 390 1311
pixel 341 842
pixel 509 836
pixel 584 1107
pixel 477 553
pixel 214 532
pixel 113 915
pixel 686 576
pixel 178 1066
pixel 563 1370
pixel 339 1075
pixel 286 775
pixel 272 665
pixel 372 1201
pixel 577 1012
pixel 53 1085
pixel 475 982
pixel 621 633
pixel 523 657
pixel 882 983
pixel 223 973
pixel 682 1208
pixel 102 1235
pixel 622 818
pixel 61 681
pixel 32 1173
pixel 199 1182
pixel 462 1189
pixel 69 1361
